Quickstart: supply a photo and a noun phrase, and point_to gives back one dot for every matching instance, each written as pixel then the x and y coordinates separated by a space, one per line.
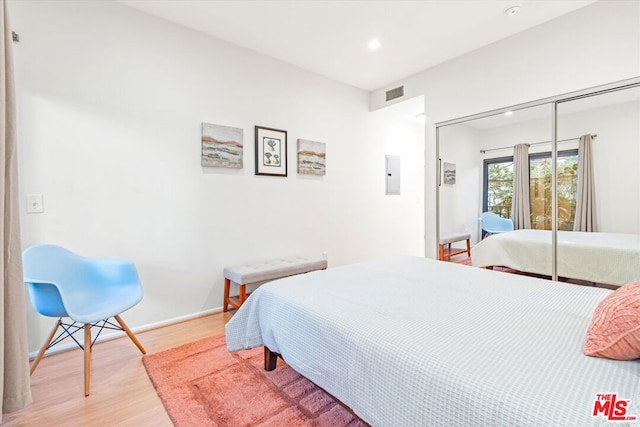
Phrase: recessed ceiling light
pixel 512 10
pixel 508 113
pixel 374 44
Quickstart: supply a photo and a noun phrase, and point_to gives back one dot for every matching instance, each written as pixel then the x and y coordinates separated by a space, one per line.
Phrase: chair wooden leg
pixel 44 347
pixel 87 357
pixel 130 334
pixel 225 302
pixel 441 252
pixel 469 247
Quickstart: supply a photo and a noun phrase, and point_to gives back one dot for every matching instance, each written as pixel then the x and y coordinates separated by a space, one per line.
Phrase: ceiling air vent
pixel 394 93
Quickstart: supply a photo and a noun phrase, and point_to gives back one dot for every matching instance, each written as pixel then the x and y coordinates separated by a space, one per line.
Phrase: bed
pixel 409 341
pixel 608 258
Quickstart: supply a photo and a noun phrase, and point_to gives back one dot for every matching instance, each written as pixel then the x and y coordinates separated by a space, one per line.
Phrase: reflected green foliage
pixel 500 190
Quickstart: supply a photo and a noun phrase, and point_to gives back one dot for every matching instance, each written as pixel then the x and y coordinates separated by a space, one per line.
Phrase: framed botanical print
pixel 271 151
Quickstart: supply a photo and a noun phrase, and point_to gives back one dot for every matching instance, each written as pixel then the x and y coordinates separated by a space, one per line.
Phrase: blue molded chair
pixel 493 223
pixel 89 291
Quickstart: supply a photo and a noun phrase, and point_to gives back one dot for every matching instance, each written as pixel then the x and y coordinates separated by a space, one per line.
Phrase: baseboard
pixel 143 328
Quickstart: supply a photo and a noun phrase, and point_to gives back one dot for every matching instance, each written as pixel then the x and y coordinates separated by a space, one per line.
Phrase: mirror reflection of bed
pixel 601 245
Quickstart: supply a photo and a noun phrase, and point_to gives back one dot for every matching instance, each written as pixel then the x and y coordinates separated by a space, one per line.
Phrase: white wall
pixel 592 46
pixel 527 132
pixel 110 103
pixel 616 161
pixel 460 202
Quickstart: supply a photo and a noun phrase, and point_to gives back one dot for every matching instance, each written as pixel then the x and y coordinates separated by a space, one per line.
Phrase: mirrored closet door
pixel 516 183
pixel 483 152
pixel 598 188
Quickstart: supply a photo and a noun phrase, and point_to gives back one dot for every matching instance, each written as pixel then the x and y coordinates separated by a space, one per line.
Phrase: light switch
pixel 35 203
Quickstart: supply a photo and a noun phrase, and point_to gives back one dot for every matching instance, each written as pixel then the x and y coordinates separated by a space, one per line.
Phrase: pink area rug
pixel 201 384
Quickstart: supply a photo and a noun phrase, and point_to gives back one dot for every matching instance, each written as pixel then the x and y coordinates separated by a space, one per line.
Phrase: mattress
pixel 610 258
pixel 408 341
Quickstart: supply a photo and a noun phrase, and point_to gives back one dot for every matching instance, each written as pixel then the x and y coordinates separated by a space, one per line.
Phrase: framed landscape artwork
pixel 271 151
pixel 448 173
pixel 311 157
pixel 221 146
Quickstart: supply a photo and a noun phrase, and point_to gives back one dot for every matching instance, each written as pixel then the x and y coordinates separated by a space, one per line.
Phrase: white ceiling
pixel 330 37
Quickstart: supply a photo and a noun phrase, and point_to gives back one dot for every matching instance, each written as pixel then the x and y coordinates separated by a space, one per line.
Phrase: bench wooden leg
pixel 234 302
pixel 243 293
pixel 227 287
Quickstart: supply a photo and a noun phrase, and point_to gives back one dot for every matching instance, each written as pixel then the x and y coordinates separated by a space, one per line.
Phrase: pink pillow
pixel 614 332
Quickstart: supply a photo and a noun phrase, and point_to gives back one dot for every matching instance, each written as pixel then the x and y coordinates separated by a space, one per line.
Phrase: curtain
pixel 585 219
pixel 15 387
pixel 520 204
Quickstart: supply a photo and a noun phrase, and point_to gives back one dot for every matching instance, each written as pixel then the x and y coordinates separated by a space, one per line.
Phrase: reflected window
pixel 498 188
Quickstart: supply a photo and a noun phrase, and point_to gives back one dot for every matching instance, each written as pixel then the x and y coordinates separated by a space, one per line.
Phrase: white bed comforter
pixel 609 258
pixel 409 341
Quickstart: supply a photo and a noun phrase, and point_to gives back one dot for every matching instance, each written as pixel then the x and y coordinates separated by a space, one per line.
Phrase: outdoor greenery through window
pixel 498 188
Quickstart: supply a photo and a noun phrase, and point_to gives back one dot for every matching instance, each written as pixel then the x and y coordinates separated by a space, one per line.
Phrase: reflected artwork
pixel 448 173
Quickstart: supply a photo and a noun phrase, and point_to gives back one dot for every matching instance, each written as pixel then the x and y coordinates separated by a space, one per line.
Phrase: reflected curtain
pixel 15 387
pixel 585 219
pixel 520 204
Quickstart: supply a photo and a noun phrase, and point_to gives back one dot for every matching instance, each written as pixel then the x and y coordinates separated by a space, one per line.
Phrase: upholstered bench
pixel 260 272
pixel 447 239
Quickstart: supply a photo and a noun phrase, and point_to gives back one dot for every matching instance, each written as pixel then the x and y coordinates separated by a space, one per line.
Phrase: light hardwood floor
pixel 121 392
